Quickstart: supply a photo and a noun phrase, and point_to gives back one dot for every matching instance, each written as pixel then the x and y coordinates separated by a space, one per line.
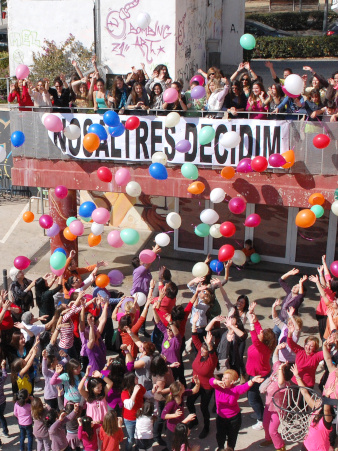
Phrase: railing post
pixel 4 279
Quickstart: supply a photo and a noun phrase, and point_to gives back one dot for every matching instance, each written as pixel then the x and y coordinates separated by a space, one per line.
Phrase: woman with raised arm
pixel 181 102
pixel 40 96
pixel 60 94
pixel 84 96
pixel 19 94
pixel 256 101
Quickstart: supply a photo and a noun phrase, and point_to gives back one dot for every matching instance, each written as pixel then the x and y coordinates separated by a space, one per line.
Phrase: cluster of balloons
pixel 122 178
pixel 260 164
pixel 307 217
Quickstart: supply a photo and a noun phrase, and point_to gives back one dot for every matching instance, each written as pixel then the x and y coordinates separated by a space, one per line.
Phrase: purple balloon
pixel 53 231
pixel 116 277
pixel 183 146
pixel 244 166
pixel 46 221
pixel 276 160
pixel 198 92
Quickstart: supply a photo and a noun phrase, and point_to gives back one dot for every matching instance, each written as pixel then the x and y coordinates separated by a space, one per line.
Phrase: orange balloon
pixel 102 280
pixel 289 156
pixel 94 240
pixel 196 188
pixel 28 216
pixel 316 199
pixel 305 218
pixel 228 172
pixel 69 235
pixel 91 142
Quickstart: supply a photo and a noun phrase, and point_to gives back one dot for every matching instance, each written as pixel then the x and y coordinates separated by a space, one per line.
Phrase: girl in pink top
pixel 256 101
pixel 180 439
pixel 22 410
pixel 87 432
pixel 229 419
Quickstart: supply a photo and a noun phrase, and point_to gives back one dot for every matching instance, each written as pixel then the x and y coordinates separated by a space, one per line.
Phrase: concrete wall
pixel 233 16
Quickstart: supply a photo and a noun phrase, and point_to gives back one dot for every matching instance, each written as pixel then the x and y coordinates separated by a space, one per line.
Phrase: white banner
pixel 258 137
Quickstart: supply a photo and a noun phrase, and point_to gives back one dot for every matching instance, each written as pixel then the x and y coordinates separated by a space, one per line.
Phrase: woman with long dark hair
pixel 138 99
pixel 119 93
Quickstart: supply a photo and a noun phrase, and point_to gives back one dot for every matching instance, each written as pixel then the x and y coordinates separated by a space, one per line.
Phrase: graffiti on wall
pixel 25 40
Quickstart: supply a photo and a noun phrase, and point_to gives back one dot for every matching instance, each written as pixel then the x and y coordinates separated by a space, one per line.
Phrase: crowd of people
pixel 103 382
pixel 242 95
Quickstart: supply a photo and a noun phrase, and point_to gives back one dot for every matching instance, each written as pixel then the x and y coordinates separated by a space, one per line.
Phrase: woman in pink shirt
pixel 229 418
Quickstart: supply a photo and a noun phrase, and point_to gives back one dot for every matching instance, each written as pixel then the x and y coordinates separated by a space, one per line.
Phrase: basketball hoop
pixel 295 414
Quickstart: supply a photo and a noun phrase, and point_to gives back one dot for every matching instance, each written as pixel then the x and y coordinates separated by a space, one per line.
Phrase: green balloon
pixel 129 236
pixel 247 41
pixel 58 260
pixel 202 230
pixel 318 210
pixel 86 219
pixel 206 135
pixel 189 171
pixel 70 219
pixel 255 258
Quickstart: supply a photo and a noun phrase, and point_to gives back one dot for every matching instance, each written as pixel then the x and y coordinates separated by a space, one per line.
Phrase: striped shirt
pixel 67 329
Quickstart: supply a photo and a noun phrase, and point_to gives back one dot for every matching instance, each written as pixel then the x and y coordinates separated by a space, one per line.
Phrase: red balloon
pixel 334 268
pixel 21 262
pixel 132 123
pixel 321 141
pixel 237 205
pixel 104 174
pixel 252 220
pixel 226 253
pixel 259 164
pixel 244 166
pixel 227 229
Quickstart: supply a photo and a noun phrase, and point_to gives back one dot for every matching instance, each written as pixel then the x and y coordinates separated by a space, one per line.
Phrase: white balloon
pixel 2 153
pixel 97 229
pixel 201 269
pixel 217 195
pixel 141 298
pixel 143 20
pixel 172 119
pixel 159 157
pixel 294 84
pixel 214 231
pixel 72 131
pixel 209 216
pixel 230 140
pixel 133 189
pixel 239 258
pixel 174 220
pixel 43 117
pixel 162 239
pixel 334 207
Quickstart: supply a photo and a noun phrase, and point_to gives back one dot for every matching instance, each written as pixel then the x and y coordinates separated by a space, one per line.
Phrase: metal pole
pixel 326 13
pixel 4 279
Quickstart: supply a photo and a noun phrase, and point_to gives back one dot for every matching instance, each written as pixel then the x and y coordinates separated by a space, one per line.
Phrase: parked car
pixel 333 28
pixel 260 29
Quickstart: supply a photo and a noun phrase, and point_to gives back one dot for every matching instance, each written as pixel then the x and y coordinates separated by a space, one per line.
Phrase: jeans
pixel 26 430
pixel 227 429
pixel 255 400
pixel 2 418
pixel 130 427
pixel 158 425
pixel 43 444
pixel 206 396
pixel 71 352
pixel 157 338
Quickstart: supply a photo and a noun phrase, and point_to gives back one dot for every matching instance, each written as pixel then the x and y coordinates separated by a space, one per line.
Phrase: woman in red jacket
pixel 258 362
pixel 19 94
pixel 203 366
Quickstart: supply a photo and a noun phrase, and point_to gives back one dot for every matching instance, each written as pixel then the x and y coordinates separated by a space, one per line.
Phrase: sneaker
pixel 258 426
pixel 4 434
pixel 265 443
pixel 38 389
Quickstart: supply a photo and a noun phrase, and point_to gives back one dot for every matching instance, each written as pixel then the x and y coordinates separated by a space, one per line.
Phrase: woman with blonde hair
pixel 216 94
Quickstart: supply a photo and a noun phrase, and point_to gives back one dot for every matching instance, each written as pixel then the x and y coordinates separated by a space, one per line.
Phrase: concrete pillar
pixel 233 28
pixel 60 210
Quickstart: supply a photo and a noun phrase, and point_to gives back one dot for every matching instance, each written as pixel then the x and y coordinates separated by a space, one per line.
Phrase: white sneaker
pixel 38 389
pixel 258 426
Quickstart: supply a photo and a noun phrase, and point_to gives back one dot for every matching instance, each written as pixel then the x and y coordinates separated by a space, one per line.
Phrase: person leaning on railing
pixel 40 95
pixel 119 93
pixel 180 104
pixel 256 101
pixel 138 99
pixel 60 94
pixel 19 94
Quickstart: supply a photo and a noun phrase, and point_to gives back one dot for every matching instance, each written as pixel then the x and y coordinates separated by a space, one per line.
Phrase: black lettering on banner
pixel 191 129
pixel 126 137
pixel 86 124
pixel 103 147
pixel 170 140
pixel 258 141
pixel 221 159
pixel 75 150
pixel 60 141
pixel 267 148
pixel 141 141
pixel 245 130
pixel 115 152
pixel 155 139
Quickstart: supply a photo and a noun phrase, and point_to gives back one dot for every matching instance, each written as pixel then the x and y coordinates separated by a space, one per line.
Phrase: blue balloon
pixel 60 249
pixel 116 131
pixel 158 171
pixel 216 266
pixel 86 209
pixel 99 130
pixel 17 138
pixel 111 118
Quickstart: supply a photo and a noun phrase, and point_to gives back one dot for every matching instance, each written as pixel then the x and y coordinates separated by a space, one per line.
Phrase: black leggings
pixel 206 396
pixel 228 429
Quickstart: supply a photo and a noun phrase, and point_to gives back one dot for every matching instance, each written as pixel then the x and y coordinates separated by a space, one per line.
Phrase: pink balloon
pixel 21 262
pixel 76 227
pixel 147 256
pixel 53 231
pixel 200 80
pixel 252 220
pixel 101 215
pixel 114 239
pixel 334 268
pixel 237 205
pixel 293 96
pixel 61 191
pixel 57 272
pixel 46 221
pixel 53 123
pixel 244 166
pixel 22 71
pixel 122 177
pixel 276 160
pixel 170 95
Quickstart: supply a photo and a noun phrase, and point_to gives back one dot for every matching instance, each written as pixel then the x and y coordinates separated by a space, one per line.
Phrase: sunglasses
pixel 212 73
pixel 245 79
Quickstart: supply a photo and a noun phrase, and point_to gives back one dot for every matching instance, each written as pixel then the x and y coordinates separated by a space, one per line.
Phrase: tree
pixel 57 59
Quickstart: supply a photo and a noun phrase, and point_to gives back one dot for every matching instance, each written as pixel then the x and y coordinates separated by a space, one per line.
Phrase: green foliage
pixel 4 73
pixel 57 59
pixel 293 21
pixel 296 47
